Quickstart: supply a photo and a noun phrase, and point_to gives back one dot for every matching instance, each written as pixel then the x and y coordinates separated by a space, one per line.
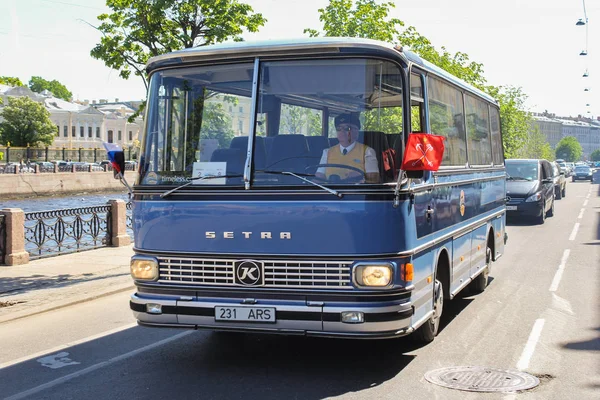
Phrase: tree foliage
pixel 10 81
pixel 136 30
pixel 595 156
pixel 569 149
pixel 39 84
pixel 370 19
pixel 26 122
pixel 515 120
pixel 536 146
pixel 295 118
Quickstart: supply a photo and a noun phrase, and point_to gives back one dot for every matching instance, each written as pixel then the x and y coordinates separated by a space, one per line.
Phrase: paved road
pixel 539 314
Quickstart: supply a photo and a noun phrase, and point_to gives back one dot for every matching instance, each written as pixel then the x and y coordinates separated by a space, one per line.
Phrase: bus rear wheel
pixel 429 330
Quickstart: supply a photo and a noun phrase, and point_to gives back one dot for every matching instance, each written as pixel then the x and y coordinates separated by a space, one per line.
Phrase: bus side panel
pixel 422 296
pixel 478 246
pixel 461 261
pixel 499 226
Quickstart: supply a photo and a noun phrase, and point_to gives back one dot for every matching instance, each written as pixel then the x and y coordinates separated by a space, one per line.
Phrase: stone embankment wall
pixel 28 185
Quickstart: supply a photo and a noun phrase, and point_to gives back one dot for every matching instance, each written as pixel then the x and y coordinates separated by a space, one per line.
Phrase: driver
pixel 349 152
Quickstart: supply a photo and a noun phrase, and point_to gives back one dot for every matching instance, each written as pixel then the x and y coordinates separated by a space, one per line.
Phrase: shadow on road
pixel 585 345
pixel 16 285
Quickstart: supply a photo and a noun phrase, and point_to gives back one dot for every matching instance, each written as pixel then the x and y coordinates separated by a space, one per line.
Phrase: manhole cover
pixel 482 379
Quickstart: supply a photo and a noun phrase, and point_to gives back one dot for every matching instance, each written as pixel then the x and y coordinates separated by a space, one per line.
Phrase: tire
pixel 542 218
pixel 550 212
pixel 429 330
pixel 558 194
pixel 564 191
pixel 481 281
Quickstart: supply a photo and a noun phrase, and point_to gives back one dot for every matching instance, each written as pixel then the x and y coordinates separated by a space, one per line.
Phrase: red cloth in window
pixel 423 152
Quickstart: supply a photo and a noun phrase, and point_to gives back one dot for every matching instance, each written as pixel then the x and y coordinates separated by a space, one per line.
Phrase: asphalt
pixel 50 283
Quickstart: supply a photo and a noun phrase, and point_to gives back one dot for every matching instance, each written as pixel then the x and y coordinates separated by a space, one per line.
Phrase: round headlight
pixel 373 275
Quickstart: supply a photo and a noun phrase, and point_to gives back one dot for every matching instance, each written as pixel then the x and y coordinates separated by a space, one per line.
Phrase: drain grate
pixel 482 379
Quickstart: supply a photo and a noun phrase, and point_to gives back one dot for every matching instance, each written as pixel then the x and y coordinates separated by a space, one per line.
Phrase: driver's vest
pixel 354 158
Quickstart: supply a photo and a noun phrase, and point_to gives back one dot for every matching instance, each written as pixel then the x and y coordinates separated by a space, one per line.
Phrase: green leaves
pixel 10 81
pixel 369 19
pixel 26 122
pixel 39 84
pixel 595 156
pixel 536 146
pixel 139 29
pixel 569 149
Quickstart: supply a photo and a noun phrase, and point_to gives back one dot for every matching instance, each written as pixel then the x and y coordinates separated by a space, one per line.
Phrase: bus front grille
pixel 277 273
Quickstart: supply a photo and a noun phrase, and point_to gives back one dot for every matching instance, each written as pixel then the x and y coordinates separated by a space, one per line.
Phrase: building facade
pixel 585 130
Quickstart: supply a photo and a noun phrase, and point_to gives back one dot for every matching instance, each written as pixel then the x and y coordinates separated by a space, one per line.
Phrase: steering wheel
pixel 336 178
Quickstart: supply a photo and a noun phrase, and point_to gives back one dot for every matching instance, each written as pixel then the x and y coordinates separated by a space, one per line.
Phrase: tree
pixel 294 118
pixel 368 19
pixel 139 29
pixel 569 149
pixel 536 146
pixel 39 84
pixel 10 81
pixel 515 120
pixel 595 156
pixel 26 122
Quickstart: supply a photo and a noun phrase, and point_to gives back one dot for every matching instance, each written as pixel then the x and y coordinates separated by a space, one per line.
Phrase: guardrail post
pixel 15 253
pixel 118 226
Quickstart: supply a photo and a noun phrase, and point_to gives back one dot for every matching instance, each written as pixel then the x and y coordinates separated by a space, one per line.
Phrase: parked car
pixel 582 172
pixel 560 182
pixel 530 188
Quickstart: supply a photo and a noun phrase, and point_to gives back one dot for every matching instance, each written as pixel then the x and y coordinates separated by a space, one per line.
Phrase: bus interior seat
pixel 288 153
pixel 233 157
pixel 260 152
pixel 316 145
pixel 386 159
pixel 333 141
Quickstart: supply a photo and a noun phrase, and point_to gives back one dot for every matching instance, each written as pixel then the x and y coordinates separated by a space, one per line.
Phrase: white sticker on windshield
pixel 208 169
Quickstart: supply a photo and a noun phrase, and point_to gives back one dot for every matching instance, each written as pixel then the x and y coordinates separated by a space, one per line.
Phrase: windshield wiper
pixel 334 192
pixel 198 178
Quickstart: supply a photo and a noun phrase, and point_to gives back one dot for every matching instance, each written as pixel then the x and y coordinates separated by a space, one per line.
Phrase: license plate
pixel 511 208
pixel 246 314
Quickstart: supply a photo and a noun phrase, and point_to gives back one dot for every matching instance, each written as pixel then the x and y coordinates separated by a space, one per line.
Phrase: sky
pixel 532 44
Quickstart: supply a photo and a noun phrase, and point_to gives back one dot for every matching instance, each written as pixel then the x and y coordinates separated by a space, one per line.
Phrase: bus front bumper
pixel 290 317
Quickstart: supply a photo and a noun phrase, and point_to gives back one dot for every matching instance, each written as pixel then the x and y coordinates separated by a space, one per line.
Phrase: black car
pixel 529 189
pixel 582 172
pixel 560 182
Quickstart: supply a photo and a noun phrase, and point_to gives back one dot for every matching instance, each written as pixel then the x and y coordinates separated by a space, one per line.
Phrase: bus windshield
pixel 331 121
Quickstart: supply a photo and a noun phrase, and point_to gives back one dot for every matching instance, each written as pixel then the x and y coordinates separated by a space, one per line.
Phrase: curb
pixel 75 300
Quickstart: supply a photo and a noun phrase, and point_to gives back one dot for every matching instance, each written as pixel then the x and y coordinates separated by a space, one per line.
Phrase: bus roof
pixel 303 46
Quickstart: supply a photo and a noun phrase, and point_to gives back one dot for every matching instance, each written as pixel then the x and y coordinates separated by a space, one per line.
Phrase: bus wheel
pixel 480 283
pixel 429 330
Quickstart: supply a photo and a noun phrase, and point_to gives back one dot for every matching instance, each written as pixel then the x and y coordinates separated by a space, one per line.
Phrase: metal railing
pixel 55 232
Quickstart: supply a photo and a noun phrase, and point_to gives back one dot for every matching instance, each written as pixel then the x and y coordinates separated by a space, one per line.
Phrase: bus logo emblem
pixel 462 203
pixel 249 273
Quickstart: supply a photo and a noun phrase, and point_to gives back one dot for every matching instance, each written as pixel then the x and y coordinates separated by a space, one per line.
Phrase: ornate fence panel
pixel 50 233
pixel 2 238
pixel 129 220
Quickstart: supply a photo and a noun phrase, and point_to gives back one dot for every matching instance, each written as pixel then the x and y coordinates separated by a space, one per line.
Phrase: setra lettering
pixel 247 235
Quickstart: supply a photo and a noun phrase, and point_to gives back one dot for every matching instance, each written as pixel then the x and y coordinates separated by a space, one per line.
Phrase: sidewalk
pixel 55 282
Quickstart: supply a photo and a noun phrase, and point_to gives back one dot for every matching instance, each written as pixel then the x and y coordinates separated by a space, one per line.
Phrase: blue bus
pixel 270 196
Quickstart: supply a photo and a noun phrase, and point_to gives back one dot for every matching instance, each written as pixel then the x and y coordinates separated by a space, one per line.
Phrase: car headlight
pixel 534 197
pixel 144 268
pixel 373 275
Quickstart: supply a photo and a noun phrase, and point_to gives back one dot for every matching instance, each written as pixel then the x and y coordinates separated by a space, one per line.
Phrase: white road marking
pixel 67 345
pixel 588 196
pixel 56 361
pixel 529 349
pixel 581 213
pixel 94 367
pixel 559 272
pixel 585 203
pixel 574 233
